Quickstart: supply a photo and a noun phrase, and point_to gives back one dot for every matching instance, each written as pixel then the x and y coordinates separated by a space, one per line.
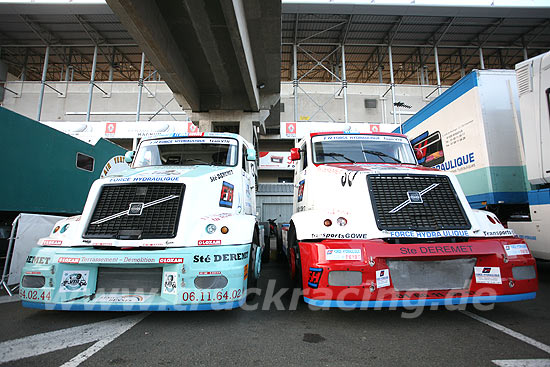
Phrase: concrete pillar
pixel 525 54
pixel 43 84
pixel 380 75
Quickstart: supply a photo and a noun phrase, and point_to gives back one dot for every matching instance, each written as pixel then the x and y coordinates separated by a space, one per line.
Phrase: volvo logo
pixel 135 209
pixel 415 197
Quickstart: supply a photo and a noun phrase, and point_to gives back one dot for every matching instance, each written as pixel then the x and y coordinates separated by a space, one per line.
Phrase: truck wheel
pixel 266 253
pixel 252 280
pixel 295 264
pixel 280 253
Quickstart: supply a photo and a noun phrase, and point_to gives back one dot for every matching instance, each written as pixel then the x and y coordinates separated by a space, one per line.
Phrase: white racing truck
pixel 176 231
pixel 372 228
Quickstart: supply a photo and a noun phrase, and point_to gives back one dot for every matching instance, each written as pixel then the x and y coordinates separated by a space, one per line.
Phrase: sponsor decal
pixel 343 254
pixel 220 258
pixel 342 236
pixel 130 298
pixel 314 277
pixel 114 166
pixel 102 244
pixel 209 242
pixel 487 275
pixel 355 137
pixel 348 178
pixel 68 260
pixel 429 234
pixel 213 272
pixel 110 128
pixel 374 128
pixel 170 282
pixel 171 260
pixel 194 139
pixel 41 260
pixel 301 186
pixel 170 172
pixel 383 278
pixel 192 128
pixel 515 250
pixel 245 271
pixel 226 196
pixel 74 281
pixel 221 175
pixel 457 162
pixel 217 217
pixel 52 242
pixel 33 272
pixel 504 232
pixel 440 249
pixel 290 129
pixel 144 179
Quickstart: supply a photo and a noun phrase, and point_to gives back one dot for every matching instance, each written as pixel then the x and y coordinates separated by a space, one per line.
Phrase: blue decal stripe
pixel 421 302
pixel 450 95
pixel 476 201
pixel 539 197
pixel 134 307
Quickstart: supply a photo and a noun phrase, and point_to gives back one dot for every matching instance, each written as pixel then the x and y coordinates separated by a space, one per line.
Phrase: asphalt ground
pixel 304 336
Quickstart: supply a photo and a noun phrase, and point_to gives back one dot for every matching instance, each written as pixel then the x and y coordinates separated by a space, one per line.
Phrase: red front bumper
pixel 363 281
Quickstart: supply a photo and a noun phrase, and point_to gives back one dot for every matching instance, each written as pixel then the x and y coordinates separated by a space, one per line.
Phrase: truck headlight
pixel 342 221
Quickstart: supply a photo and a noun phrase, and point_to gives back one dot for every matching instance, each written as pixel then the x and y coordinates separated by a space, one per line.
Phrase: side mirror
pixel 419 154
pixel 295 154
pixel 250 155
pixel 129 156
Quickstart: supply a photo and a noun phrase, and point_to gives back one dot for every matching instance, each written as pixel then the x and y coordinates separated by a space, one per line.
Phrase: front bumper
pixel 373 273
pixel 176 279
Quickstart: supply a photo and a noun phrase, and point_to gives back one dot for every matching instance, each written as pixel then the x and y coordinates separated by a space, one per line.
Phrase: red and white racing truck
pixel 372 228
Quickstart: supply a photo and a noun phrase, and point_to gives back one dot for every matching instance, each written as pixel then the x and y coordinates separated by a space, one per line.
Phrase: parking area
pixel 513 334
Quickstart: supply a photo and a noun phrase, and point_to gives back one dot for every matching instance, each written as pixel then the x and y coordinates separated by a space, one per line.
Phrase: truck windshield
pixel 359 148
pixel 187 152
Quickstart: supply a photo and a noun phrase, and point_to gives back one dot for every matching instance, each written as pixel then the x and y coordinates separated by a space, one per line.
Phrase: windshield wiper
pixel 337 155
pixel 380 154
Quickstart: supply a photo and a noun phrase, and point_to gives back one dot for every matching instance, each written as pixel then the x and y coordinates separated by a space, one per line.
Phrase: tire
pixel 295 264
pixel 266 253
pixel 252 281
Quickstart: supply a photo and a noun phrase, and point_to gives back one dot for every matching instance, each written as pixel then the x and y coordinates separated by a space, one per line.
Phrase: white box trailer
pixel 472 130
pixel 492 129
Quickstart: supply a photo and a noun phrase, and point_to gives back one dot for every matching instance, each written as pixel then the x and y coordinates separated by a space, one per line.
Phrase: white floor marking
pixel 8 299
pixel 522 362
pixel 35 345
pixel 510 332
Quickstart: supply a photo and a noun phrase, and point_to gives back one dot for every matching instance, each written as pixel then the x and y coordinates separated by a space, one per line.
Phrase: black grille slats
pixel 440 209
pixel 156 221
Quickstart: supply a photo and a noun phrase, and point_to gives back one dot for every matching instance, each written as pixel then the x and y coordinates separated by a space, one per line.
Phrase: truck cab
pixel 176 231
pixel 372 228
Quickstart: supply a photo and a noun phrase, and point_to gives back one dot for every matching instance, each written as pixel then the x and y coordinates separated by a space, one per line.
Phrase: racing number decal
pixel 314 277
pixel 226 196
pixel 301 190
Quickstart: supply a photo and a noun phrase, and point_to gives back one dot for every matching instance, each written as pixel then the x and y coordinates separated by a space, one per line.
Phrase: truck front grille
pixel 136 211
pixel 432 203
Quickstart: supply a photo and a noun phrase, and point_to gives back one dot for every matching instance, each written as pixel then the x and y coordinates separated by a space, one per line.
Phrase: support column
pixel 24 70
pixel 344 85
pixel 92 80
pixel 392 86
pixel 43 84
pixel 140 90
pixel 525 54
pixel 295 80
pixel 481 62
pixel 437 71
